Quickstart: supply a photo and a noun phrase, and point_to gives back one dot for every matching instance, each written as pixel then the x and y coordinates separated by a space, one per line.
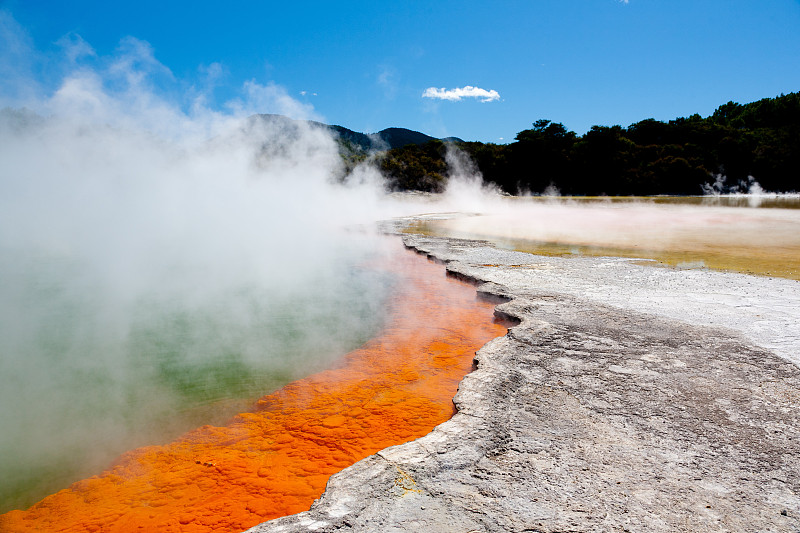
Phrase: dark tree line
pixel 759 139
pixel 415 167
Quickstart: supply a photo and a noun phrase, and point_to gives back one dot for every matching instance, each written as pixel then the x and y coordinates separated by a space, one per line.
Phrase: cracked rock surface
pixel 595 415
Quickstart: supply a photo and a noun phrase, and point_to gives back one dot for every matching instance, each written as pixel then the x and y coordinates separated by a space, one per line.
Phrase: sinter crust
pixel 586 417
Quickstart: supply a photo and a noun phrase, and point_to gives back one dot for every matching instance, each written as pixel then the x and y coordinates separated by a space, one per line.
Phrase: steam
pixel 466 190
pixel 160 258
pixel 721 186
pixel 747 192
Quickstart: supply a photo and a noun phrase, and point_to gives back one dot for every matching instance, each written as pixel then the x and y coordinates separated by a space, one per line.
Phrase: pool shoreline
pixel 658 408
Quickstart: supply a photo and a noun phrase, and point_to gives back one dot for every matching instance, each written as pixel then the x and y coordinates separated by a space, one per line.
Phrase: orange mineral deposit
pixel 276 460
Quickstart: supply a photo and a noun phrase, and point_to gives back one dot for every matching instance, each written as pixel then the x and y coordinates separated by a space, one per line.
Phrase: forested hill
pixel 760 139
pixel 388 138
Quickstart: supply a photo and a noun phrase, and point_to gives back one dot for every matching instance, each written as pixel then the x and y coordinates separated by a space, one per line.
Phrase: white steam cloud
pixel 458 94
pixel 156 251
pixel 465 187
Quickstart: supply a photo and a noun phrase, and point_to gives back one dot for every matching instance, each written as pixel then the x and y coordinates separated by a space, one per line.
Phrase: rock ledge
pixel 587 417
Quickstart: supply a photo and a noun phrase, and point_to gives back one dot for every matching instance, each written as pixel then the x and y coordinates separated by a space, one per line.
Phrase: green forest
pixel 723 152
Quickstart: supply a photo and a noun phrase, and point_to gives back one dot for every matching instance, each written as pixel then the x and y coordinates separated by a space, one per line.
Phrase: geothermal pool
pixel 275 458
pixel 88 372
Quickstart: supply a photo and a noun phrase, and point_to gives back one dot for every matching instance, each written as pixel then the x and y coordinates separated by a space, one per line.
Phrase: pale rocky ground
pixel 628 398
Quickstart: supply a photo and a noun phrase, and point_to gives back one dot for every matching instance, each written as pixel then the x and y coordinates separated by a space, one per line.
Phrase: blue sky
pixel 366 65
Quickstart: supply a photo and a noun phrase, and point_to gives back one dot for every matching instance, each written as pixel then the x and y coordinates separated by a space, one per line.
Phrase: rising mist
pixel 161 262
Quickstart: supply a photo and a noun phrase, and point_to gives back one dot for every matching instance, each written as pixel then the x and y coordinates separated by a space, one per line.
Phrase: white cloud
pixel 455 95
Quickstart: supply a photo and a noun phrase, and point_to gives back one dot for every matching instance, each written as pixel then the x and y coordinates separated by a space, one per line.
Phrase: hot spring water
pixel 82 381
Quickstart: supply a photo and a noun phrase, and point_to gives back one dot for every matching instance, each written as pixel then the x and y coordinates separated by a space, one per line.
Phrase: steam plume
pixel 158 255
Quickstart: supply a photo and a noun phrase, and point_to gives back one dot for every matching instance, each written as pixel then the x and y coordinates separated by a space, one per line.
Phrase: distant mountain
pixel 386 139
pixel 399 137
pixel 354 141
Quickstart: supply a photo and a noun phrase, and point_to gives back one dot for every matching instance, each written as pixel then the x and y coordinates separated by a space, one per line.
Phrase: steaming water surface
pixel 276 458
pixel 80 386
pixel 749 234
